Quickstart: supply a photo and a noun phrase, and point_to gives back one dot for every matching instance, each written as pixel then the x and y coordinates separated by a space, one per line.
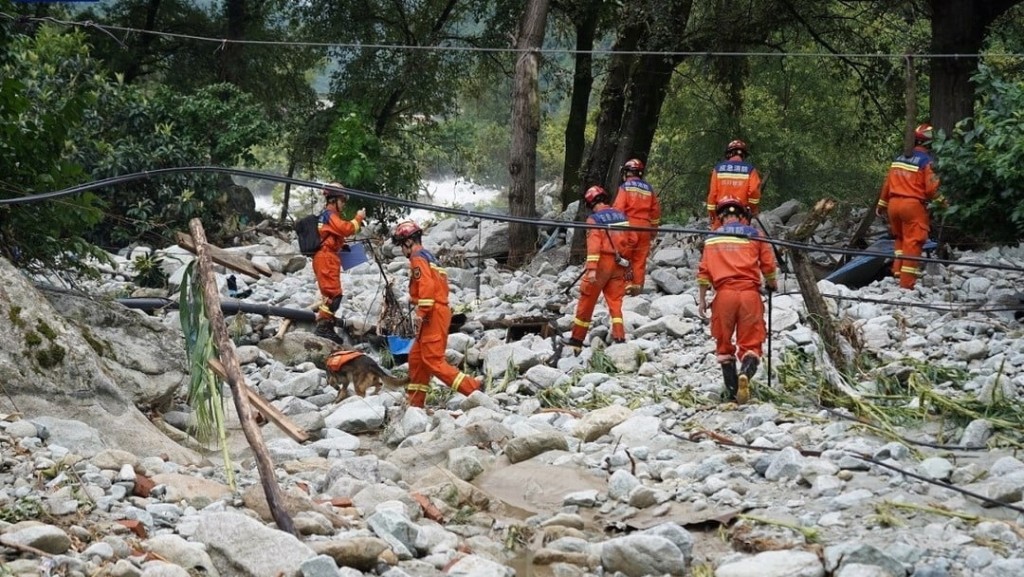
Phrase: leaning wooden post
pixel 235 380
pixel 817 310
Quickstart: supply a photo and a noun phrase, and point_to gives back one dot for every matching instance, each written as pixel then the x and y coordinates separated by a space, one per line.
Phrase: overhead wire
pixel 478 215
pixel 110 28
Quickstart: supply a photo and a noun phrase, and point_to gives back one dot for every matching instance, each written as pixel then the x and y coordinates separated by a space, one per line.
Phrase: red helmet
pixel 634 165
pixel 730 205
pixel 594 195
pixel 736 146
pixel 335 190
pixel 923 133
pixel 404 231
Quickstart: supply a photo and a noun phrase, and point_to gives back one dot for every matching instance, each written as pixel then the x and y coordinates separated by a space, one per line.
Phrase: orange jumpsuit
pixel 908 188
pixel 610 276
pixel 428 290
pixel 733 265
pixel 738 179
pixel 636 198
pixel 326 262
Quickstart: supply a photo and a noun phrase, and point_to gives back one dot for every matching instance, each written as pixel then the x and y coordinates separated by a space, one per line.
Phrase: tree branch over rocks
pixel 836 361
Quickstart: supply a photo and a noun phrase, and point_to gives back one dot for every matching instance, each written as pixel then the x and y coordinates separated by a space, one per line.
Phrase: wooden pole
pixel 235 380
pixel 820 317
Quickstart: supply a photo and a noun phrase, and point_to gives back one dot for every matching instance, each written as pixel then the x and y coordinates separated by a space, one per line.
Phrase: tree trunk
pixel 582 83
pixel 648 88
pixel 232 60
pixel 958 27
pixel 817 310
pixel 292 164
pixel 609 124
pixel 522 163
pixel 134 68
pixel 226 349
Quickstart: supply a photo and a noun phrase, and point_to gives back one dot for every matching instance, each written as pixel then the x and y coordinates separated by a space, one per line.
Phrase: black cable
pixel 477 215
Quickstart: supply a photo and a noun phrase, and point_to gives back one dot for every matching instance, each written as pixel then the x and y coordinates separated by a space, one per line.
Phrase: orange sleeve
pixel 620 201
pixel 422 287
pixel 703 275
pixel 712 194
pixel 766 257
pixel 594 238
pixel 754 192
pixel 341 227
pixel 655 210
pixel 883 197
pixel 931 183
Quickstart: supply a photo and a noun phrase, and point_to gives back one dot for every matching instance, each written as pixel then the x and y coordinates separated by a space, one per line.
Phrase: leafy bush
pixel 360 159
pixel 47 82
pixel 979 164
pixel 141 129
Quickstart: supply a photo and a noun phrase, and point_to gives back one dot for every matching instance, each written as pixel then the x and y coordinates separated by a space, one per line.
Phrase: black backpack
pixel 309 234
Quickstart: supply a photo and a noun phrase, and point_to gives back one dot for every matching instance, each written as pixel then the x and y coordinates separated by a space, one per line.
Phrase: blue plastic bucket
pixel 399 345
pixel 353 257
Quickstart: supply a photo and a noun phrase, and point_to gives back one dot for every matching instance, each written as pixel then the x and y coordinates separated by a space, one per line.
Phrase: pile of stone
pixel 618 461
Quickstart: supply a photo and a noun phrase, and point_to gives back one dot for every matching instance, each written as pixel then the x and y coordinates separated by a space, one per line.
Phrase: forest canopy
pixel 382 95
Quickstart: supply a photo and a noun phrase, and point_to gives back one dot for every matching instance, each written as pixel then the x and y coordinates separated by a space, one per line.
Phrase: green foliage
pixel 360 159
pixel 148 272
pixel 21 510
pixel 51 356
pixel 134 130
pixel 204 390
pixel 47 82
pixel 798 117
pixel 979 164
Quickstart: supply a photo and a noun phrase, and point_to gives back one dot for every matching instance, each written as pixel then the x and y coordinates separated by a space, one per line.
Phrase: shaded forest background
pixel 380 95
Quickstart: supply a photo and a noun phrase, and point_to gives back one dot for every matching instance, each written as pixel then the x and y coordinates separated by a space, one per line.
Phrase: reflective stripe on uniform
pixel 417 388
pixel 726 240
pixel 458 381
pixel 579 323
pixel 616 320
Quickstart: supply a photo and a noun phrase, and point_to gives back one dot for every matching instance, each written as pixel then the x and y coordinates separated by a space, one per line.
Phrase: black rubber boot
pixel 747 369
pixel 731 380
pixel 749 366
pixel 325 329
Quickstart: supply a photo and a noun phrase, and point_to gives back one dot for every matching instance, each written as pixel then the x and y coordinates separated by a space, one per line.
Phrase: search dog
pixel 361 371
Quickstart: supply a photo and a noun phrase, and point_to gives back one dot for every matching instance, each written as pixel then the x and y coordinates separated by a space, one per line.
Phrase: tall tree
pixel 584 16
pixel 958 28
pixel 522 162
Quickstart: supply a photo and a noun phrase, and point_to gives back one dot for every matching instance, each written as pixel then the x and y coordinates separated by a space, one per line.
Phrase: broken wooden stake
pixel 225 258
pixel 235 380
pixel 270 412
pixel 817 310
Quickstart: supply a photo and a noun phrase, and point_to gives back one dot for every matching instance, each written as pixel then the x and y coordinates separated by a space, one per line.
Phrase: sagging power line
pixel 371 196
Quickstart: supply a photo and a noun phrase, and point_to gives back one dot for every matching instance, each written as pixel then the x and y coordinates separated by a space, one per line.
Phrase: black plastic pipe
pixel 228 306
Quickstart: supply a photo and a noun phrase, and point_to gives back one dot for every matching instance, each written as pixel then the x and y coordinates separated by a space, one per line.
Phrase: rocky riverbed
pixel 618 461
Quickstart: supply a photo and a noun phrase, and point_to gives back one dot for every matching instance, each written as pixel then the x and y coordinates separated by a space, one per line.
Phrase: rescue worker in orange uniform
pixel 734 263
pixel 637 199
pixel 909 186
pixel 734 177
pixel 608 267
pixel 428 290
pixel 326 262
